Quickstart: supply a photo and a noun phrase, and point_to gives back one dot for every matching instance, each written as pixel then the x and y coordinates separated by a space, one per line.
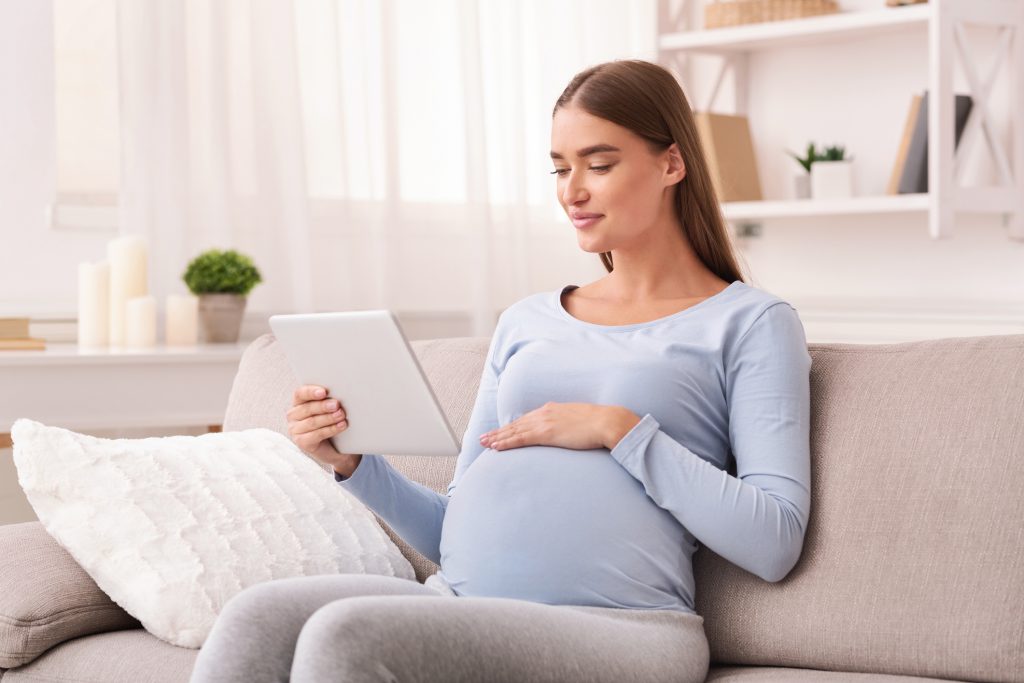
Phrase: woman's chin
pixel 590 243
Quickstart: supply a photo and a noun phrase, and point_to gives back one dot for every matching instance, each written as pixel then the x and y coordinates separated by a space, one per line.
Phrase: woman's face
pixel 608 181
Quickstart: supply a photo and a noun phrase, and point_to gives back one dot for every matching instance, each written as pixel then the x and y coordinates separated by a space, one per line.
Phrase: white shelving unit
pixel 944 21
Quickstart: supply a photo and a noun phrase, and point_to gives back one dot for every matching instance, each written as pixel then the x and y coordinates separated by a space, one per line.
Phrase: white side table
pixel 65 386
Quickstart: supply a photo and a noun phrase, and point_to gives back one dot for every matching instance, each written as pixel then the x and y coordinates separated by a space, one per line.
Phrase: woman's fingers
pixel 511 435
pixel 308 392
pixel 318 421
pixel 329 431
pixel 312 408
pixel 314 417
pixel 310 440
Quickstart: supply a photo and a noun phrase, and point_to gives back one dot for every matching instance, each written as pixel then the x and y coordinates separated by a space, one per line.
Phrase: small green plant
pixel 830 153
pixel 221 272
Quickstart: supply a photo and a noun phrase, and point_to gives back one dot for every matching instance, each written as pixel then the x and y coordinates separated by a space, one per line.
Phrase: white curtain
pixel 366 153
pixel 211 140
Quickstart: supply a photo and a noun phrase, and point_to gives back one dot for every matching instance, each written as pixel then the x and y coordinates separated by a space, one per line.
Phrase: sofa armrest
pixel 46 598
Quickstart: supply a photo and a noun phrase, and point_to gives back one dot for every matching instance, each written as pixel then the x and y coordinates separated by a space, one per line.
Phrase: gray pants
pixel 355 628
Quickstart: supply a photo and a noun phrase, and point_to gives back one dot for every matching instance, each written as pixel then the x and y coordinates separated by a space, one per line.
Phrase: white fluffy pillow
pixel 172 527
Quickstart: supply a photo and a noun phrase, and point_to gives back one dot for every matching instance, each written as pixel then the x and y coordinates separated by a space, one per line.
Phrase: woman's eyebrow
pixel 587 151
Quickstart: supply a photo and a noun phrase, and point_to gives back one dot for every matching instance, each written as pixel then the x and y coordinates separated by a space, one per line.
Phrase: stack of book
pixel 14 336
pixel 910 172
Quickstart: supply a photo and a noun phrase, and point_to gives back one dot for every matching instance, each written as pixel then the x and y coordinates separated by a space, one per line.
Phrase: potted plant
pixel 832 175
pixel 221 280
pixel 802 181
pixel 828 173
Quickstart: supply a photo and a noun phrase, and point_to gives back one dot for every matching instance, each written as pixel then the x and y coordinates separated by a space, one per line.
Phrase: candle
pixel 140 322
pixel 182 319
pixel 127 256
pixel 93 304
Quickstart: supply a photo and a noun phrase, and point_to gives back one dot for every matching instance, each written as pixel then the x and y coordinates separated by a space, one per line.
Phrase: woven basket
pixel 719 13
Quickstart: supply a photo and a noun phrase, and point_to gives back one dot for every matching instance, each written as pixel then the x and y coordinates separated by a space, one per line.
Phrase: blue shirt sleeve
pixel 757 518
pixel 414 511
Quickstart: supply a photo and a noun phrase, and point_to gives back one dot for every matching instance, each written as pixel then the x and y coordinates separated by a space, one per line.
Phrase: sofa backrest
pixel 913 562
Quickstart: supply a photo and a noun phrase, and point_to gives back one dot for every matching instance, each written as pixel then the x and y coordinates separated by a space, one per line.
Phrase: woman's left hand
pixel 580 426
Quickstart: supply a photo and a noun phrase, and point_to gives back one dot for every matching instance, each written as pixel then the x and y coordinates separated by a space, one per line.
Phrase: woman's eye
pixel 563 171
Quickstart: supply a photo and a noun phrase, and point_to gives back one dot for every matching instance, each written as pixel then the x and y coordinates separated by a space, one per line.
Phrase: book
pixel 901 152
pixel 25 344
pixel 13 328
pixel 914 178
pixel 730 156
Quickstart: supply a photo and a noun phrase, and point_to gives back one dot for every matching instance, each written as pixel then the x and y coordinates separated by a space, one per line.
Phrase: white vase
pixel 832 179
pixel 802 185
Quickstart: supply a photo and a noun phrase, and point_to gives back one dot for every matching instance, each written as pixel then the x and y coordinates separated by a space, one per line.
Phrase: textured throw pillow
pixel 172 527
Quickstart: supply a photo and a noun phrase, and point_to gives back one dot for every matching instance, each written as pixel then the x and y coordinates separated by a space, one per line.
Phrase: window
pixel 86 116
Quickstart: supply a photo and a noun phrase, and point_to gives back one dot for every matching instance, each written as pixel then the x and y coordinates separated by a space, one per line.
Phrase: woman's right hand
pixel 315 417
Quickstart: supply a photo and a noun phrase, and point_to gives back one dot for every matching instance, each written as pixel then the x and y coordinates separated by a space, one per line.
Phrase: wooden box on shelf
pixel 730 156
pixel 721 13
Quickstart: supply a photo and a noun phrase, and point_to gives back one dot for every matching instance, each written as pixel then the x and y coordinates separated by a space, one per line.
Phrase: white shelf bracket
pixel 676 16
pixel 980 119
pixel 940 117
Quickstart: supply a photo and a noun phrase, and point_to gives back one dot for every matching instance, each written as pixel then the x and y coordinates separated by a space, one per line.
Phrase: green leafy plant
pixel 221 272
pixel 835 154
pixel 830 153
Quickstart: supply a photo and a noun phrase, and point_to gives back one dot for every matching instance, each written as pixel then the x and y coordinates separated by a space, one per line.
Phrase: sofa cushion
pixel 262 393
pixel 134 655
pixel 913 562
pixel 47 598
pixel 172 527
pixel 773 674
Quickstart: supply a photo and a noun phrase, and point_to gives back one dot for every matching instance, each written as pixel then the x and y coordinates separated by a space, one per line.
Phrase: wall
pixel 866 279
pixel 872 278
pixel 867 273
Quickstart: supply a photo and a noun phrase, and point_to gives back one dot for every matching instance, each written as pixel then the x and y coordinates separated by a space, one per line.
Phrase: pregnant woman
pixel 617 426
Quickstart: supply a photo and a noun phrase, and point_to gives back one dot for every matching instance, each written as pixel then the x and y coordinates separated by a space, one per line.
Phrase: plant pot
pixel 802 185
pixel 221 317
pixel 832 179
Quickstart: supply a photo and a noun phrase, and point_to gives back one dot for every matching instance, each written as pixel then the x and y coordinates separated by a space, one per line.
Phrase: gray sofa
pixel 912 569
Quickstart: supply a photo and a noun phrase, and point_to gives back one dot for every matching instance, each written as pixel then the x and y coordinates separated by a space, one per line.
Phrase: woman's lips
pixel 582 223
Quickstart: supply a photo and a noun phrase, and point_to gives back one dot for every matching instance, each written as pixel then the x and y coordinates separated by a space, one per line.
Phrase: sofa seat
pixel 151 660
pixel 778 674
pixel 116 656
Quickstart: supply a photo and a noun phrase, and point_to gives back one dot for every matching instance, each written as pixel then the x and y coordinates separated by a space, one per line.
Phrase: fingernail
pixel 332 405
pixel 319 393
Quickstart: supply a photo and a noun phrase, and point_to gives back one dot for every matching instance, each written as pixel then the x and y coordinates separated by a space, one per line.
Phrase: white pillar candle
pixel 140 322
pixel 182 320
pixel 93 304
pixel 127 256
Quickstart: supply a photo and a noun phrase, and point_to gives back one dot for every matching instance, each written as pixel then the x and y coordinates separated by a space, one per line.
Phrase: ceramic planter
pixel 221 317
pixel 832 179
pixel 802 185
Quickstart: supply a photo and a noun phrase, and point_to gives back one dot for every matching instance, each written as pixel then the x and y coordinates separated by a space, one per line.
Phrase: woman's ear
pixel 676 170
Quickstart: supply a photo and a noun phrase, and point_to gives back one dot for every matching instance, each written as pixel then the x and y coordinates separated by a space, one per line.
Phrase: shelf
pixel 795 208
pixel 808 31
pixel 941 25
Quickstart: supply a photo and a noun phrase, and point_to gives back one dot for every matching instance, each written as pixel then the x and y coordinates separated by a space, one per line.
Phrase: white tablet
pixel 366 363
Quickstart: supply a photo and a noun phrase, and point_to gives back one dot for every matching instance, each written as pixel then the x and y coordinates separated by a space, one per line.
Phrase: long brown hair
pixel 646 99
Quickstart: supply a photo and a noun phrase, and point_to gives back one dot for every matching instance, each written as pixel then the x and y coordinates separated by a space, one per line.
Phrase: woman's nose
pixel 573 191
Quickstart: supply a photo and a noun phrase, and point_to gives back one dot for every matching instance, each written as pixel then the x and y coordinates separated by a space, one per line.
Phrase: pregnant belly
pixel 561 526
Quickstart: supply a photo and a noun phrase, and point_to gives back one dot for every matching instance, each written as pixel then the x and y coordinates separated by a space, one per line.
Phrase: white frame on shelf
pixel 944 20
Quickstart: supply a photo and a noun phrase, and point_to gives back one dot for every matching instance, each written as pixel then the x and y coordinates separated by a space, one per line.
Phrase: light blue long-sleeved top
pixel 720 384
